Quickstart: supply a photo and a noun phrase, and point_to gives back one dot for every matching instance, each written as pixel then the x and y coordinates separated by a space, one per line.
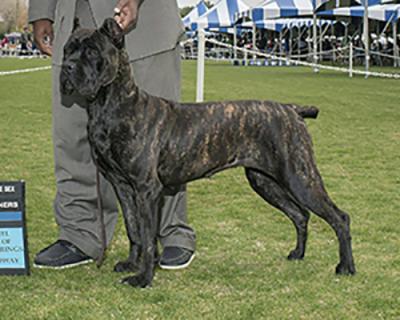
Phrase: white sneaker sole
pixel 68 266
pixel 182 266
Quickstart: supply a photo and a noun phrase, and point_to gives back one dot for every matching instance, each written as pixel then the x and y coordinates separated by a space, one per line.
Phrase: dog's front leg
pixel 148 204
pixel 126 197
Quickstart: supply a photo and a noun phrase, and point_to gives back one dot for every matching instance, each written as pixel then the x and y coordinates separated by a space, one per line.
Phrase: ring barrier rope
pixel 11 72
pixel 304 63
pixel 277 56
pixel 319 53
pixel 377 53
pixel 340 51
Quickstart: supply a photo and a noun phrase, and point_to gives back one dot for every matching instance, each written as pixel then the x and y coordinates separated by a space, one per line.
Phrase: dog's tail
pixel 306 111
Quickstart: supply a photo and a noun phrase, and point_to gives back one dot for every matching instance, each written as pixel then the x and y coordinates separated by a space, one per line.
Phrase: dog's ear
pixel 76 25
pixel 112 30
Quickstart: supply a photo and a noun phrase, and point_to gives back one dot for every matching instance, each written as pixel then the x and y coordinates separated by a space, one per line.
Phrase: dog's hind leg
pixel 309 191
pixel 274 194
pixel 319 202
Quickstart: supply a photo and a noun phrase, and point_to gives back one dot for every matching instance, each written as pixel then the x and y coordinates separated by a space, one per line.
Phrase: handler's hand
pixel 43 35
pixel 126 14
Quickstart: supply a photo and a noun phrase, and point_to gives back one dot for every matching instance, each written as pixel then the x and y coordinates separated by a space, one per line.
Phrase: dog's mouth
pixel 66 86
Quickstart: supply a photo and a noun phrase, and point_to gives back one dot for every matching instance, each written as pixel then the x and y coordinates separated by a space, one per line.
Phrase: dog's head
pixel 91 59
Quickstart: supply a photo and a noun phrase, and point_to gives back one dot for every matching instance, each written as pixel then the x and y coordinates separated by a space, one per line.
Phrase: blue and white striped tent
pixel 193 15
pixel 279 24
pixel 272 9
pixel 385 12
pixel 374 2
pixel 221 15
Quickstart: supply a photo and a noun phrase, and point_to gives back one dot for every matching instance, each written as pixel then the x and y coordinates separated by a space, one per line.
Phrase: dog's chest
pixel 99 138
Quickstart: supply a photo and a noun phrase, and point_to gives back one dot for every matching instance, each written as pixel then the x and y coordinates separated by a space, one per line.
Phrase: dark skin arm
pixel 126 14
pixel 43 35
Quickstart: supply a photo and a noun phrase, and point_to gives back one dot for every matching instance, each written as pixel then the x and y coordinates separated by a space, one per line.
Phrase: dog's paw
pixel 139 281
pixel 344 269
pixel 296 255
pixel 125 266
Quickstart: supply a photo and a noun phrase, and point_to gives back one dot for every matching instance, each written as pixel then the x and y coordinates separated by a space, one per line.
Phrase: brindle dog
pixel 145 145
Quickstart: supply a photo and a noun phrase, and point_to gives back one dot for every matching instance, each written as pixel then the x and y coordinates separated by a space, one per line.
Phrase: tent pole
pixel 386 26
pixel 234 42
pixel 280 48
pixel 334 47
pixel 254 40
pixel 200 65
pixel 321 35
pixel 366 37
pixel 299 33
pixel 351 60
pixel 395 46
pixel 315 58
pixel 305 32
pixel 309 46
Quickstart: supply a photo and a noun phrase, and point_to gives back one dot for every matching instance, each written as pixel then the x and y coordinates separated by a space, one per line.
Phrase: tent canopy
pixel 280 24
pixel 272 9
pixel 193 15
pixel 374 2
pixel 385 12
pixel 221 15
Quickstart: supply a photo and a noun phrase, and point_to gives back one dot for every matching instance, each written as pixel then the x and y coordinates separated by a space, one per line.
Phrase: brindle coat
pixel 145 145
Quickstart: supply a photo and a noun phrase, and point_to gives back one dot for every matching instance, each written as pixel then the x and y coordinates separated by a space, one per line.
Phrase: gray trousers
pixel 75 203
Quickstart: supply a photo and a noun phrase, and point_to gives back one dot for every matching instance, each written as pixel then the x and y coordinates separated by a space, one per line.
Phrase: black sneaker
pixel 175 258
pixel 60 255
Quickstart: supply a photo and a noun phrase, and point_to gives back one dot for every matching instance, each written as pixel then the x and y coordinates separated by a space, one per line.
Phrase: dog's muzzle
pixel 66 86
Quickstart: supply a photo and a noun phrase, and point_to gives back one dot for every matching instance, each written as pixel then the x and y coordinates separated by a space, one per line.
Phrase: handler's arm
pixel 126 13
pixel 41 15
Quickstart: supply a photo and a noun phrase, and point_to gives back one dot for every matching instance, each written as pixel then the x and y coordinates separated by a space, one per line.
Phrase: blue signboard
pixel 13 237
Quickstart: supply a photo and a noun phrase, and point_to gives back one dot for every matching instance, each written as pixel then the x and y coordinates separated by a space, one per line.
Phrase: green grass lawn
pixel 241 270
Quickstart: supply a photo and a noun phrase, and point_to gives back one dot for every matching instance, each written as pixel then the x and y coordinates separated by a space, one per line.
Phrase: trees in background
pixel 185 10
pixel 14 14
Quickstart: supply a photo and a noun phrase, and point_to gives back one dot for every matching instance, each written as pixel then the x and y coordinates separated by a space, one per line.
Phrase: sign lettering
pixel 13 238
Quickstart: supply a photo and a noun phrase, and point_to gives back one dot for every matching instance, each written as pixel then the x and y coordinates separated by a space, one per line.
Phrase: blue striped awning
pixel 280 24
pixel 193 15
pixel 273 9
pixel 384 12
pixel 221 15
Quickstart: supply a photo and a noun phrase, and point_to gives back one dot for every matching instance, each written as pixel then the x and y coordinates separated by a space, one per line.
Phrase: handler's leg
pixel 75 204
pixel 160 75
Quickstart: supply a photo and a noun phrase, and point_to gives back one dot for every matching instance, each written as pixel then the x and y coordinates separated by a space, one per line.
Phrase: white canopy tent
pixel 389 13
pixel 273 9
pixel 195 13
pixel 221 15
pixel 385 12
pixel 279 24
